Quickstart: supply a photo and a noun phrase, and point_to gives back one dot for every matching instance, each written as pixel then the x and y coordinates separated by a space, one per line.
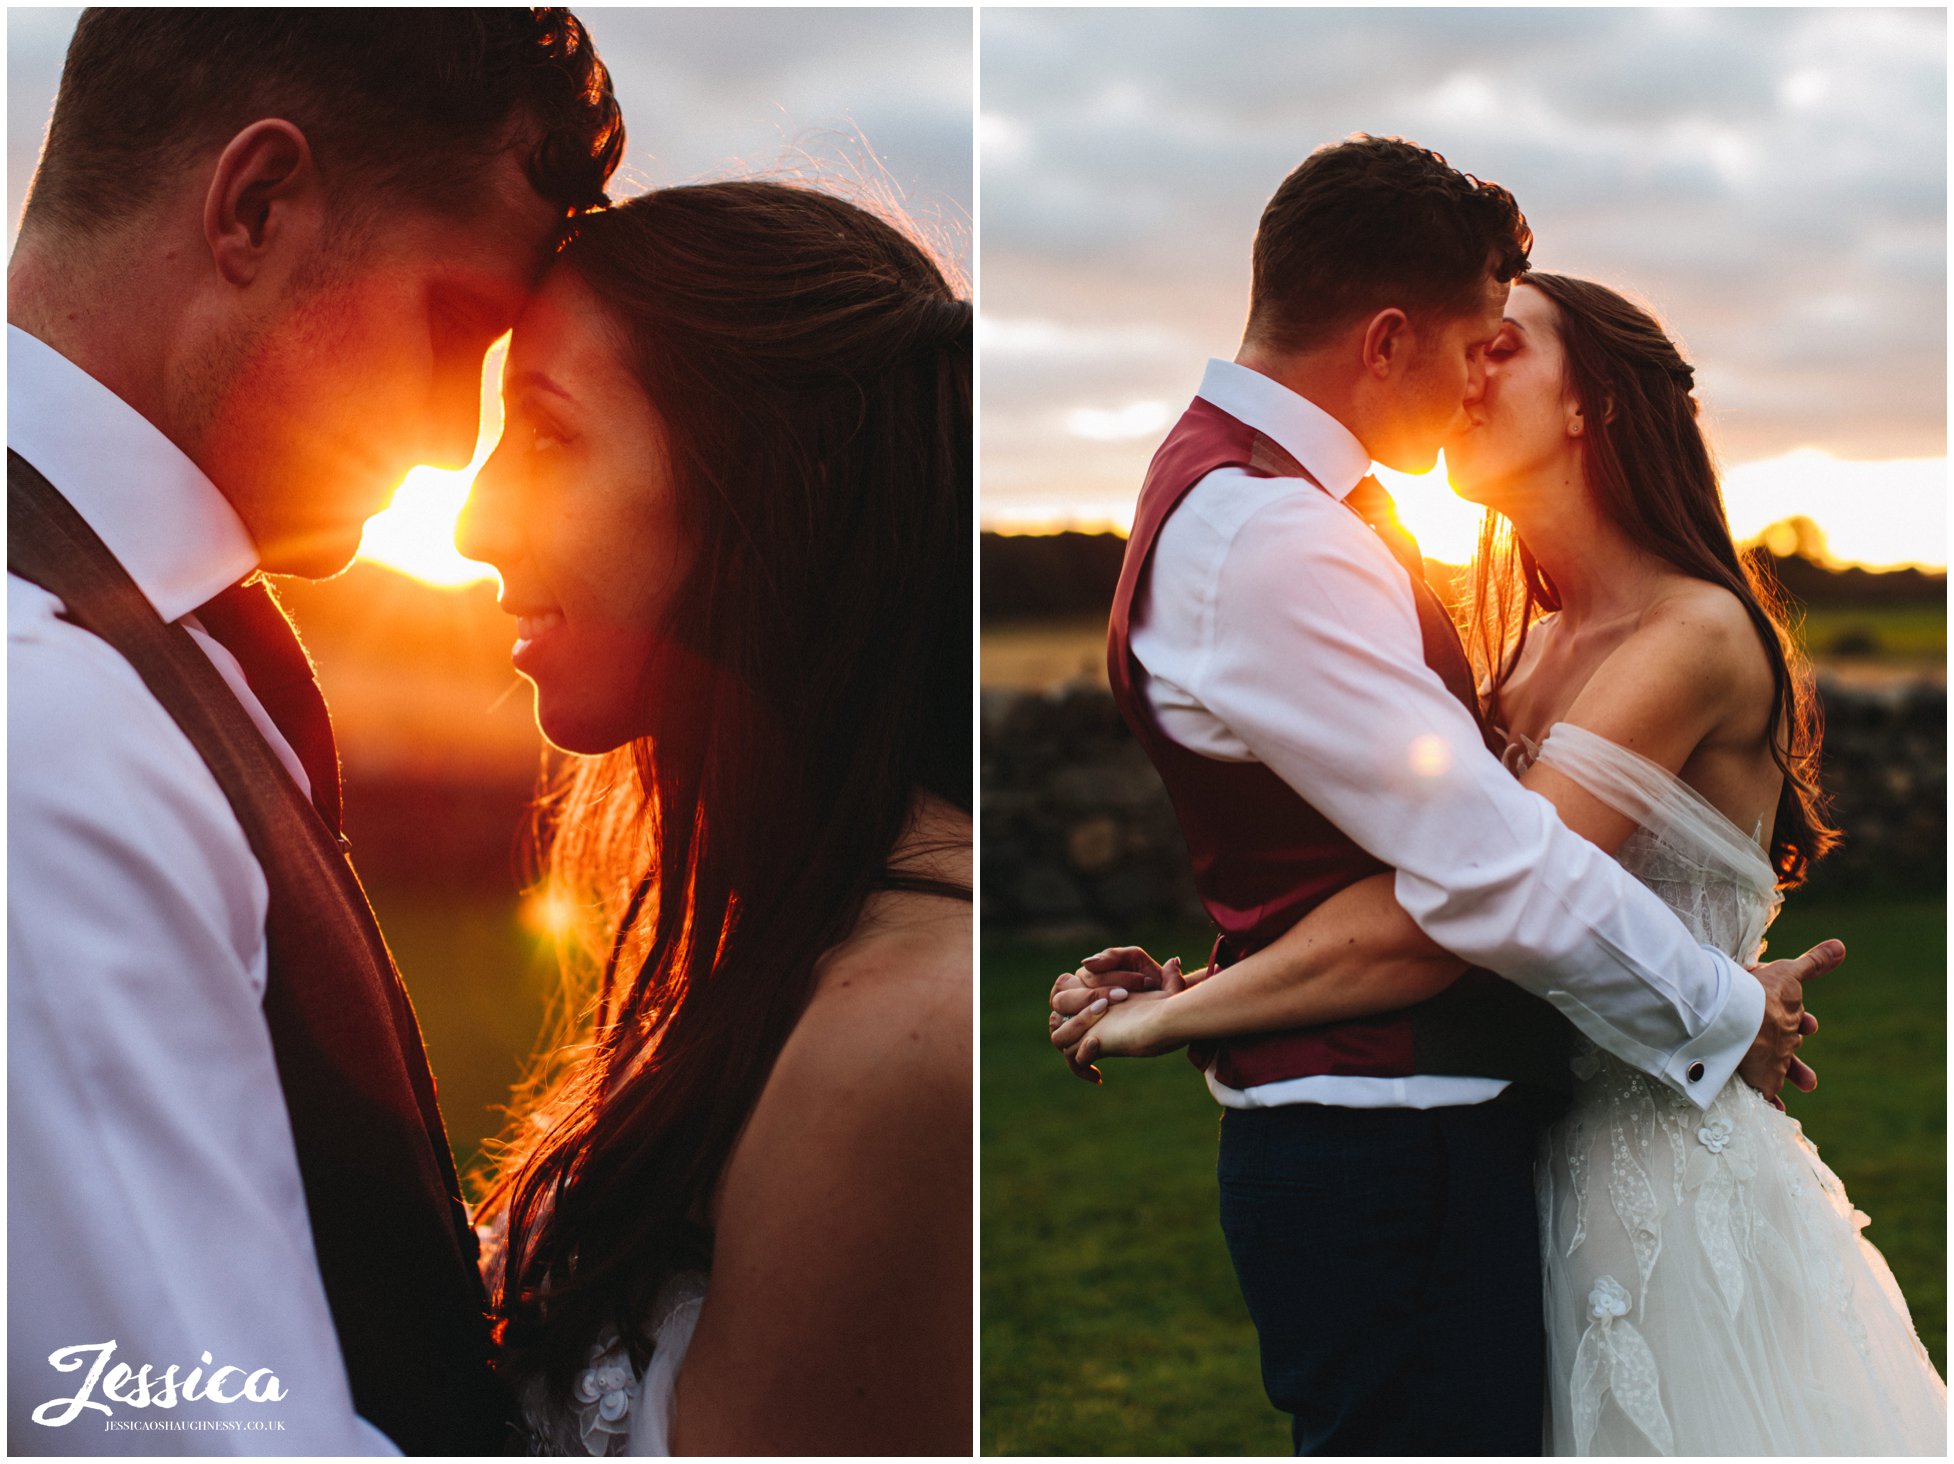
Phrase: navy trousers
pixel 1390 1259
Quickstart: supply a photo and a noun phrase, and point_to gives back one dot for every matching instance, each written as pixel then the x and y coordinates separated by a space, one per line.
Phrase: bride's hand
pixel 1079 1006
pixel 1076 1004
pixel 1133 1028
pixel 1103 980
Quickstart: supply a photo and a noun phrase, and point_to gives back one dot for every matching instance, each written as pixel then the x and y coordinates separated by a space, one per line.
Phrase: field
pixel 1111 1322
pixel 1896 634
pixel 479 983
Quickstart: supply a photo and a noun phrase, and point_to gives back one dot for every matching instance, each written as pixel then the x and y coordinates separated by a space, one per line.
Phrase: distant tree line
pixel 1071 576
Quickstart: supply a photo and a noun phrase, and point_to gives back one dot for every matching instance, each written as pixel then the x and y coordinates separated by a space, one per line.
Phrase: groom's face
pixel 370 366
pixel 1445 373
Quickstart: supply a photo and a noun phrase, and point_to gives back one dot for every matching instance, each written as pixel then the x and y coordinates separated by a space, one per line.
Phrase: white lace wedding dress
pixel 1707 1287
pixel 613 1410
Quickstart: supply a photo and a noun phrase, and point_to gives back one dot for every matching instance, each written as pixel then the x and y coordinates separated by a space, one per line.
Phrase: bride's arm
pixel 837 1318
pixel 1358 954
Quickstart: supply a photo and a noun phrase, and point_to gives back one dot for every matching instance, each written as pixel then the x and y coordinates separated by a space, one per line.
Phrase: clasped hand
pixel 1111 1007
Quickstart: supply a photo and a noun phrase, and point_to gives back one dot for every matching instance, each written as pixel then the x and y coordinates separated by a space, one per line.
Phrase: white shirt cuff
pixel 1699 1069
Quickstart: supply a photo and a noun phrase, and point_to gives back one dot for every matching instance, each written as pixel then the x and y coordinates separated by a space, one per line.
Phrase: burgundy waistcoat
pixel 1263 858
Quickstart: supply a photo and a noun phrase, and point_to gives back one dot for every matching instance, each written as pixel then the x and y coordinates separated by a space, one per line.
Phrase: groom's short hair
pixel 399 105
pixel 1375 222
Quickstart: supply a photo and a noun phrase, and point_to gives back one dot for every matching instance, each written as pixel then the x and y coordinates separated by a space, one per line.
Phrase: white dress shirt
pixel 154 1197
pixel 1275 627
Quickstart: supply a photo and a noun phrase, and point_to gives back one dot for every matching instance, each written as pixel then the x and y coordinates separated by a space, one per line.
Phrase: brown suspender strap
pixel 389 1227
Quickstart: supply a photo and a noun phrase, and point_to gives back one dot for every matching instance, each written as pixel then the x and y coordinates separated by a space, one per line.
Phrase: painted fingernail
pixel 1099 1006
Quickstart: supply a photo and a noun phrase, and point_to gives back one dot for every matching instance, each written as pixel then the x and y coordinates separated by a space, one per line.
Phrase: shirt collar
pixel 1304 430
pixel 164 521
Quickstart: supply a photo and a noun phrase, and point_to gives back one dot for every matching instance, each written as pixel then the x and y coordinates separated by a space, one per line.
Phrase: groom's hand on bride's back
pixel 1773 1057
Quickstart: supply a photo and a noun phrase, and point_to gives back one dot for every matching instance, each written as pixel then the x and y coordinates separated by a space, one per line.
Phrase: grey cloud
pixel 1773 181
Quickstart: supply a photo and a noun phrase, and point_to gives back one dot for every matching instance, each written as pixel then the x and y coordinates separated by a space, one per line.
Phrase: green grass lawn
pixel 1111 1321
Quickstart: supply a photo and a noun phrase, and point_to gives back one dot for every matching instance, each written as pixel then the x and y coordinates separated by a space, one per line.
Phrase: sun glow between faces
pixel 415 533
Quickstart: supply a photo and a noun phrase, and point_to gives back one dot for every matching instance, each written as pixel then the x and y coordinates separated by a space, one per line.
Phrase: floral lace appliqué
pixel 1632 1192
pixel 1715 1175
pixel 1614 1360
pixel 605 1391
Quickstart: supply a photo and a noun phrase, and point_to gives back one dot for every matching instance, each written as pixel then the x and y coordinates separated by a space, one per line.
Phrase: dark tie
pixel 248 621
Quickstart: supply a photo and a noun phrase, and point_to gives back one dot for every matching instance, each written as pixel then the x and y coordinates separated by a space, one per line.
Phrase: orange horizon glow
pixel 1866 511
pixel 414 534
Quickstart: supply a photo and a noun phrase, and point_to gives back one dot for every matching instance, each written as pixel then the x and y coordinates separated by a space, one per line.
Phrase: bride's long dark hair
pixel 1649 467
pixel 811 366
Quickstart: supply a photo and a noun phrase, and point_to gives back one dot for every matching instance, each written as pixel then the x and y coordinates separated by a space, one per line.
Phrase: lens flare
pixel 1429 756
pixel 549 914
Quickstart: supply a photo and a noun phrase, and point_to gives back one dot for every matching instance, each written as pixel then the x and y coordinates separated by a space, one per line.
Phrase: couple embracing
pixel 263 258
pixel 1503 1168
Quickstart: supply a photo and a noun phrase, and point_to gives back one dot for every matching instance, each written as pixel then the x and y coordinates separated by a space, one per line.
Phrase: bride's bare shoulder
pixel 883 1049
pixel 911 956
pixel 1708 633
pixel 888 1026
pixel 1712 622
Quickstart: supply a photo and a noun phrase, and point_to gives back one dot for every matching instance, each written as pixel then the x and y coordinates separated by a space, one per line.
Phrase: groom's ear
pixel 264 201
pixel 1387 341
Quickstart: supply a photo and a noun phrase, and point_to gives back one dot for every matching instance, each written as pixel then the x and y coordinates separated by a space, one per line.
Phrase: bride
pixel 1707 1288
pixel 731 513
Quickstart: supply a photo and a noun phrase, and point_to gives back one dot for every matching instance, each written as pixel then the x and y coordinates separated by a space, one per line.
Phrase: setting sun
pixel 415 533
pixel 1444 524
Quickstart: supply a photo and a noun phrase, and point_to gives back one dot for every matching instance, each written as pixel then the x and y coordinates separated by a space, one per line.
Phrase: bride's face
pixel 577 512
pixel 1521 433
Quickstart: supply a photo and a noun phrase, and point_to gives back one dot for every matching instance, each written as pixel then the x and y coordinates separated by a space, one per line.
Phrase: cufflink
pixel 1696 1072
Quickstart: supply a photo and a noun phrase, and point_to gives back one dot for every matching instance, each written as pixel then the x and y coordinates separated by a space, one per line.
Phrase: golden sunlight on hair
pixel 415 533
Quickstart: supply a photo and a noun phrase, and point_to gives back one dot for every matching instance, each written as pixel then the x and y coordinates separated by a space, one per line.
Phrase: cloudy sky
pixel 704 92
pixel 1773 181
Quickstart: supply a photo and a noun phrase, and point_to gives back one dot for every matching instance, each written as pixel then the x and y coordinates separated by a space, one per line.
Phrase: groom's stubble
pixel 298 489
pixel 308 413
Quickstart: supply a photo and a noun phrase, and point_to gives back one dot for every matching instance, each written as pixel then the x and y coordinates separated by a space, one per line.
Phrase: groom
pixel 262 259
pixel 1303 694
